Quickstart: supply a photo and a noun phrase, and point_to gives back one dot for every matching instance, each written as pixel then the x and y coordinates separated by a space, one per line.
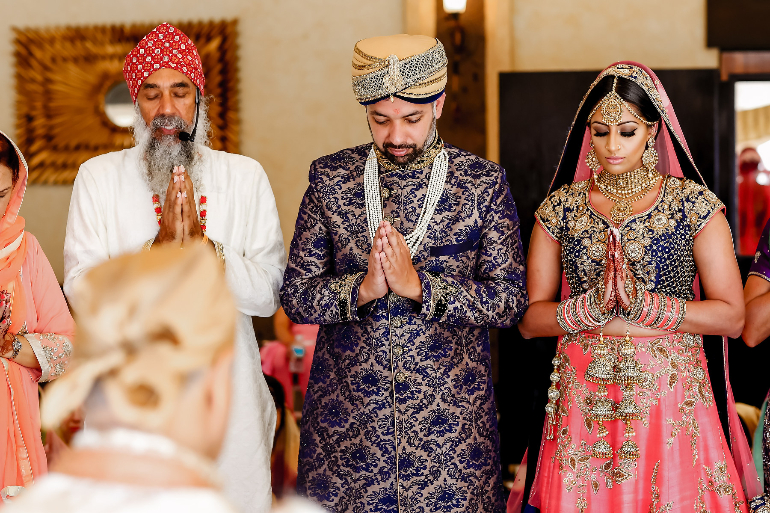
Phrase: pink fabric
pixel 583 172
pixel 690 464
pixel 275 363
pixel 22 448
pixel 309 332
pixel 275 360
pixel 516 497
pixel 742 455
pixel 11 229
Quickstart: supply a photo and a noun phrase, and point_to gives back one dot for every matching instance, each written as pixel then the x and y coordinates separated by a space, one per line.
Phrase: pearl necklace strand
pixel 374 199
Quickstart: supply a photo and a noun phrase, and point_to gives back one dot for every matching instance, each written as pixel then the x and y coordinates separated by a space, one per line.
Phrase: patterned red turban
pixel 165 47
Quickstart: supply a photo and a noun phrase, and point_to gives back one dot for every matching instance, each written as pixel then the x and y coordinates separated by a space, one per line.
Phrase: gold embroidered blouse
pixel 657 243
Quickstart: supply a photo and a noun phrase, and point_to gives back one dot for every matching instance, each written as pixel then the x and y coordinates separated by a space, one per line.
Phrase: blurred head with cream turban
pixel 154 338
pixel 401 81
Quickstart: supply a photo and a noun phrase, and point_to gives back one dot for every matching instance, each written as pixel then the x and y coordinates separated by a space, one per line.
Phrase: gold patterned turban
pixel 413 68
pixel 145 322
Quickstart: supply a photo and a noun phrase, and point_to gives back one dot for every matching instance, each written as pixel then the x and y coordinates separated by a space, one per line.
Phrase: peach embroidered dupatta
pixel 38 309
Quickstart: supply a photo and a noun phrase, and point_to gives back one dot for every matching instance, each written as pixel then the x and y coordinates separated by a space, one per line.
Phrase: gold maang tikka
pixel 612 114
pixel 612 108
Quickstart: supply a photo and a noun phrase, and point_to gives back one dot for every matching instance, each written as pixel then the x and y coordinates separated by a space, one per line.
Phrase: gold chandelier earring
pixel 650 156
pixel 593 161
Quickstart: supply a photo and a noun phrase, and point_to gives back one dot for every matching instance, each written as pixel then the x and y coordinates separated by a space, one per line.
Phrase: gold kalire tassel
pixel 553 396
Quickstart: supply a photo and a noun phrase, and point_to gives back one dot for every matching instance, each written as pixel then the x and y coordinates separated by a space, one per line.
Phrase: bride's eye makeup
pixel 623 133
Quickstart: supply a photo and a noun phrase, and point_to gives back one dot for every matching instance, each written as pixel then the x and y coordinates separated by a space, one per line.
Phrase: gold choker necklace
pixel 423 161
pixel 625 189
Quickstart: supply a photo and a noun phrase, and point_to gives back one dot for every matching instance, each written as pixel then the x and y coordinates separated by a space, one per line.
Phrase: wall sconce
pixel 454 6
pixel 453 10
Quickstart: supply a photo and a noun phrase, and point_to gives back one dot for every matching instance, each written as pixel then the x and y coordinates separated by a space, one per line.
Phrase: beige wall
pixel 569 35
pixel 564 35
pixel 559 35
pixel 295 94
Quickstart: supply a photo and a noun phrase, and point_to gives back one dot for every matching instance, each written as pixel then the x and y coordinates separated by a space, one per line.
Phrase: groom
pixel 406 250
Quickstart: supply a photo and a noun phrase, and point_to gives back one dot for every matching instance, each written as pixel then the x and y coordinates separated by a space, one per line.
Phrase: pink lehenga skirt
pixel 635 430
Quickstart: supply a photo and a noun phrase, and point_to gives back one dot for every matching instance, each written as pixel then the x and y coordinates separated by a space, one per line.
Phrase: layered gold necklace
pixel 625 189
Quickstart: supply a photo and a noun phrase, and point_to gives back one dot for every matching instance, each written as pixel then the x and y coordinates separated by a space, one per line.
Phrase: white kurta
pixel 111 213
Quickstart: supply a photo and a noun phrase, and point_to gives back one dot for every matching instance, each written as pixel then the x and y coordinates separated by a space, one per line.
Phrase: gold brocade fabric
pixel 421 162
pixel 411 67
pixel 657 243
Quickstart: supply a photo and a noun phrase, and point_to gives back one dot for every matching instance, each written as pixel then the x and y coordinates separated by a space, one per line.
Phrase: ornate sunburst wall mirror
pixel 73 104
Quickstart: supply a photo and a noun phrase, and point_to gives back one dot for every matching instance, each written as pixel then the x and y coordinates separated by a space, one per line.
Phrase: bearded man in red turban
pixel 172 188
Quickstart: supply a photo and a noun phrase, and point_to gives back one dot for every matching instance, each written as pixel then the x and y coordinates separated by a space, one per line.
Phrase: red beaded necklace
pixel 159 211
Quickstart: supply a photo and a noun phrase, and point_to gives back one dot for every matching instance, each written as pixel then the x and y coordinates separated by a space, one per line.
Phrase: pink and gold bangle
pixel 647 310
pixel 581 313
pixel 672 314
pixel 667 312
pixel 653 307
pixel 659 312
pixel 678 317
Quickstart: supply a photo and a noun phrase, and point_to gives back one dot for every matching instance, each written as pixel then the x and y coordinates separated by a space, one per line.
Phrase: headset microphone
pixel 185 136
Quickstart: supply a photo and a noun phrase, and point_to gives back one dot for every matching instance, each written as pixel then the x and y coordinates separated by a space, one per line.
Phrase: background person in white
pixel 112 213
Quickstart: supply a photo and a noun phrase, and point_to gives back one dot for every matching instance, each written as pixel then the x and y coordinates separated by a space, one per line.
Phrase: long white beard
pixel 161 155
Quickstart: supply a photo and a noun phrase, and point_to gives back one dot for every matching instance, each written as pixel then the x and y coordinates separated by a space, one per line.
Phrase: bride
pixel 631 419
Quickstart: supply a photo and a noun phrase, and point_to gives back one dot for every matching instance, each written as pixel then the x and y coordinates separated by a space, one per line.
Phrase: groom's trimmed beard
pixel 161 153
pixel 412 155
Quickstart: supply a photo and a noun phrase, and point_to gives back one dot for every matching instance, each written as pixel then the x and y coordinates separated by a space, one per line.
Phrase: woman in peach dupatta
pixel 36 330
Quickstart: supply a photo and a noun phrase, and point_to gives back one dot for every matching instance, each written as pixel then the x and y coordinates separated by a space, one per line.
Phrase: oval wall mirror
pixel 118 105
